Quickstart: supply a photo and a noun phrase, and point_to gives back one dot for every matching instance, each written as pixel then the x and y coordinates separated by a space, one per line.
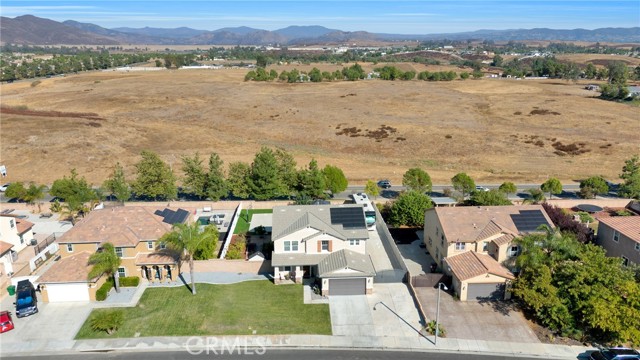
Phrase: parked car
pixel 26 300
pixel 385 184
pixel 615 353
pixel 6 323
pixel 4 187
pixel 481 188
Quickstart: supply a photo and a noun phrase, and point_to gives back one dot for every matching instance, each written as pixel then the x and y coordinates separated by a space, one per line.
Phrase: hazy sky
pixel 400 17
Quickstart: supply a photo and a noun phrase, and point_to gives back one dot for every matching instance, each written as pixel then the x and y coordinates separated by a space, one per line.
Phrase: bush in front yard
pixel 101 294
pixel 108 321
pixel 129 281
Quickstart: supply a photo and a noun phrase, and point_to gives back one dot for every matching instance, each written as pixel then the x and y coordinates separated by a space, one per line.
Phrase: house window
pixel 485 246
pixel 12 223
pixel 437 231
pixel 119 251
pixel 625 261
pixel 325 245
pixel 21 240
pixel 163 246
pixel 287 268
pixel 442 239
pixel 294 246
pixel 69 247
pixel 150 245
pixel 459 246
pixel 637 246
pixel 122 272
pixel 287 246
pixel 513 250
pixel 430 241
pixel 354 242
pixel 616 236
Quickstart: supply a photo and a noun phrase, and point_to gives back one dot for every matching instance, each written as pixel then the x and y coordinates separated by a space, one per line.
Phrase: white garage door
pixel 68 292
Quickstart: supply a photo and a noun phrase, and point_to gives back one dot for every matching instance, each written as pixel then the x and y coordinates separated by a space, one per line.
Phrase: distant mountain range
pixel 32 30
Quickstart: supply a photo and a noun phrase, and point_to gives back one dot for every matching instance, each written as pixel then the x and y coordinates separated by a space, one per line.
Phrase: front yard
pixel 237 309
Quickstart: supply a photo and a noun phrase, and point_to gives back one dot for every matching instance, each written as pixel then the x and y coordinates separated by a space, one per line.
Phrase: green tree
pixel 590 72
pixel 334 179
pixel 497 61
pixel 464 75
pixel 631 175
pixel 195 177
pixel 463 183
pixel 287 170
pixel 155 179
pixel 34 194
pixel 552 186
pixel 508 188
pixel 265 181
pixel 477 74
pixel 238 179
pixel 315 75
pixel 311 182
pixel 105 261
pixel 16 190
pixel 75 191
pixel 372 188
pixel 418 180
pixel 537 196
pixel 208 248
pixel 216 187
pixel 593 186
pixel 261 61
pixel 117 184
pixel 188 240
pixel 492 197
pixel 409 209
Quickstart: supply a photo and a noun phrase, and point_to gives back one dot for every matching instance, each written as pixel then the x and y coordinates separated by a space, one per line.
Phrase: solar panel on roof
pixel 529 220
pixel 348 217
pixel 173 217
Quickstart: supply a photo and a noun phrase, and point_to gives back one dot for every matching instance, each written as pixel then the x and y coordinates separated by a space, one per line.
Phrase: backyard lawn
pixel 236 309
pixel 243 223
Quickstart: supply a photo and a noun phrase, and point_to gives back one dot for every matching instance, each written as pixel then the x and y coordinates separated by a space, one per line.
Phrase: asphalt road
pixel 269 354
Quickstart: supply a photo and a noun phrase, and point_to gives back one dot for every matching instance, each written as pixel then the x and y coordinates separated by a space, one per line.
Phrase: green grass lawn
pixel 236 309
pixel 243 225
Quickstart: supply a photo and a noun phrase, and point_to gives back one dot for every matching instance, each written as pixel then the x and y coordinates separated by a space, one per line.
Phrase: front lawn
pixel 243 224
pixel 236 309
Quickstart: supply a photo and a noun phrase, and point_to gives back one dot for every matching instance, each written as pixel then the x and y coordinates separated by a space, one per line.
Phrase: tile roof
pixel 629 226
pixel 504 239
pixel 4 247
pixel 289 219
pixel 155 259
pixel 295 259
pixel 23 226
pixel 345 259
pixel 69 269
pixel 471 264
pixel 474 223
pixel 120 226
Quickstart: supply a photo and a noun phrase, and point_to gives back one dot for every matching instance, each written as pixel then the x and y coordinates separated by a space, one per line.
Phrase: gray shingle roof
pixel 295 259
pixel 345 259
pixel 289 219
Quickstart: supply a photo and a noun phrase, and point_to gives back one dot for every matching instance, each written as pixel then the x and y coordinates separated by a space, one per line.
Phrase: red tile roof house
pixel 473 243
pixel 620 236
pixel 133 231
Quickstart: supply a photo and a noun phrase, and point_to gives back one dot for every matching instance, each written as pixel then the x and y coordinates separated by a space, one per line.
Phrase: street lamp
pixel 443 286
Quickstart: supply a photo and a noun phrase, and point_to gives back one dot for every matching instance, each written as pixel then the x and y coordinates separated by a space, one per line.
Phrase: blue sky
pixel 399 17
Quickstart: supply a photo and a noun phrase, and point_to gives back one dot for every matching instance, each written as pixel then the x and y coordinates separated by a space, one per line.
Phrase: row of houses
pixel 473 245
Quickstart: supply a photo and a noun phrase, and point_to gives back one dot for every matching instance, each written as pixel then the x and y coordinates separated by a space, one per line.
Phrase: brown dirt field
pixel 599 59
pixel 493 129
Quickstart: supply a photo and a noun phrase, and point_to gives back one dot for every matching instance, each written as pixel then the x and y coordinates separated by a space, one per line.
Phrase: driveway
pixel 53 327
pixel 490 321
pixel 351 316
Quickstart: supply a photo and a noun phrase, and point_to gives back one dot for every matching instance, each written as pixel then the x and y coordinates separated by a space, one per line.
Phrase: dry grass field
pixel 494 129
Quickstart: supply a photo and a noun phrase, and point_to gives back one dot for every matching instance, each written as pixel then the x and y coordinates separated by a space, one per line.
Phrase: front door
pixel 306 271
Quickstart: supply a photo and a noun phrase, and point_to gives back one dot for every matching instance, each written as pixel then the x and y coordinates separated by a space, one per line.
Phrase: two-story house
pixel 15 235
pixel 133 231
pixel 620 236
pixel 451 234
pixel 326 242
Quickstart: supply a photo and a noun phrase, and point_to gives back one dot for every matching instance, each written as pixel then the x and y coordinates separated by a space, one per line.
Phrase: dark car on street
pixel 616 353
pixel 385 184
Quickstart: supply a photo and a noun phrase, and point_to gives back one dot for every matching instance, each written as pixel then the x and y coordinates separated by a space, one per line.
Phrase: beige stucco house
pixel 487 230
pixel 476 275
pixel 134 232
pixel 326 242
pixel 620 237
pixel 68 280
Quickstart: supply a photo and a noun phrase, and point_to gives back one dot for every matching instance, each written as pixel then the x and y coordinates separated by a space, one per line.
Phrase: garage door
pixel 347 286
pixel 493 291
pixel 68 292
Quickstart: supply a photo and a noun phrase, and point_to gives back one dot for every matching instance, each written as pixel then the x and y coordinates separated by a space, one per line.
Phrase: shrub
pixel 35 83
pixel 623 213
pixel 103 291
pixel 108 321
pixel 129 281
pixel 431 329
pixel 584 216
pixel 566 223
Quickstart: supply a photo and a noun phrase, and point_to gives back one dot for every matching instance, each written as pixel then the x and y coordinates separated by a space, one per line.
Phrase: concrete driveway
pixel 53 327
pixel 490 321
pixel 351 316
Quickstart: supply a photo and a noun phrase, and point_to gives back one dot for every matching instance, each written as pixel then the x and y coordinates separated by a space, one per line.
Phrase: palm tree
pixel 35 193
pixel 106 261
pixel 187 239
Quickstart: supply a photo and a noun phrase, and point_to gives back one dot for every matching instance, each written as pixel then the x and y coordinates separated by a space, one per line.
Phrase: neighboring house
pixel 620 237
pixel 133 231
pixel 325 242
pixel 15 231
pixel 477 275
pixel 487 230
pixel 7 257
pixel 68 280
